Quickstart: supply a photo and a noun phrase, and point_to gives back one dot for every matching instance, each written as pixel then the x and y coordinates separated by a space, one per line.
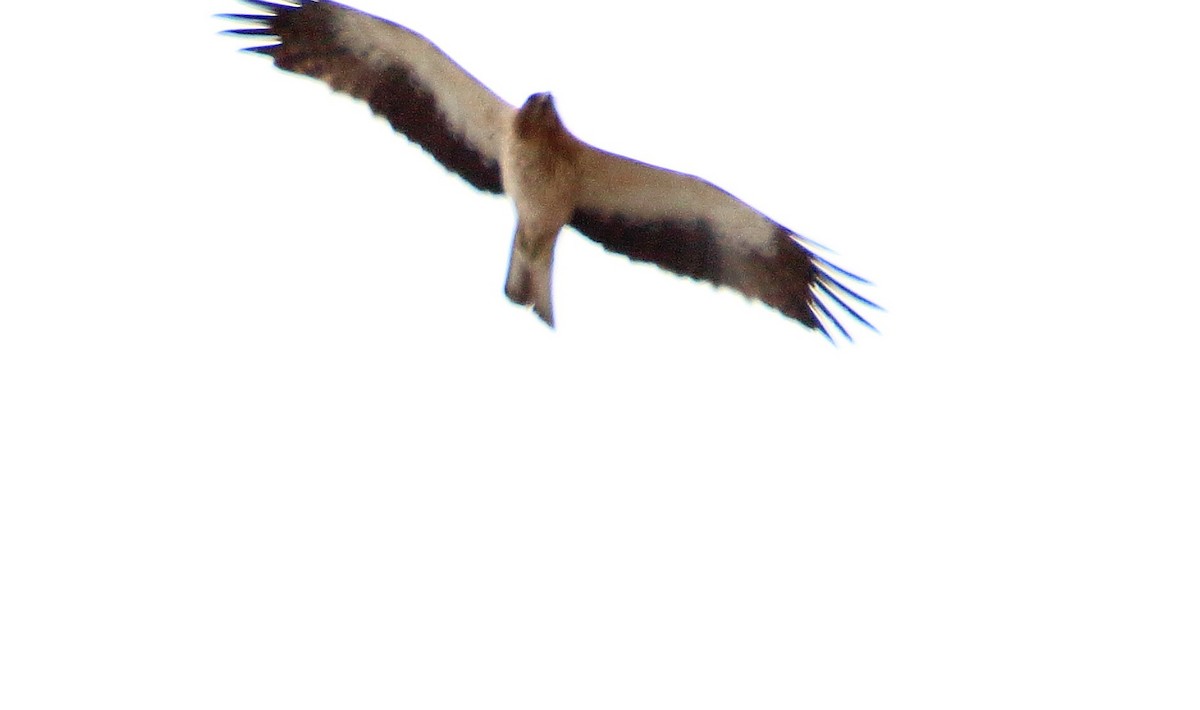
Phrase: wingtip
pixel 267 49
pixel 824 288
pixel 825 281
pixel 271 7
pixel 241 17
pixel 820 328
pixel 251 31
pixel 834 267
pixel 832 319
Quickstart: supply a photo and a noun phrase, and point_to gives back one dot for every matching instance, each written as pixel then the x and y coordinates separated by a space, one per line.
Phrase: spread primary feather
pixel 680 222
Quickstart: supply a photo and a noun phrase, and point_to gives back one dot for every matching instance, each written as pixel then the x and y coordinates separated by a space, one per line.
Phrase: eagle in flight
pixel 682 223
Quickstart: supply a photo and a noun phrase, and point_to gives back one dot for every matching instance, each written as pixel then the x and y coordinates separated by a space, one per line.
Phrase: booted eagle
pixel 682 223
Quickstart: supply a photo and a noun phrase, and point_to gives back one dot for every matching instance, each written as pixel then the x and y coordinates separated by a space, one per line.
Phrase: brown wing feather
pixel 400 74
pixel 693 228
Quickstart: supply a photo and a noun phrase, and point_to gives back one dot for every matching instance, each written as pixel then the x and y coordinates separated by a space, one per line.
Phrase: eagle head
pixel 537 115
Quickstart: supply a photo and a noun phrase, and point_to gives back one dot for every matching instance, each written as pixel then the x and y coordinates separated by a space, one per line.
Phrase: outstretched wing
pixel 404 77
pixel 691 227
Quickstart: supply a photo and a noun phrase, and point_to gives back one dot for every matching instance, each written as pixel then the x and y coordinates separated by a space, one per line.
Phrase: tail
pixel 529 269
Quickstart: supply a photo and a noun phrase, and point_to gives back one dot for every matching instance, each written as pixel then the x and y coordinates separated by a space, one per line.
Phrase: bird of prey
pixel 682 223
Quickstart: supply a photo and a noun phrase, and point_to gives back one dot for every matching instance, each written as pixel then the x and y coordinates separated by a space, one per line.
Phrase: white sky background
pixel 273 437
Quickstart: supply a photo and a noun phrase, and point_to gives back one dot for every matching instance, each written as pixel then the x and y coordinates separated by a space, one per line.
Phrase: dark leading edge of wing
pixel 794 281
pixel 305 44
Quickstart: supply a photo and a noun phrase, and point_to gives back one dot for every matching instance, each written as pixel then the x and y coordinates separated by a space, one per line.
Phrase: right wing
pixel 691 227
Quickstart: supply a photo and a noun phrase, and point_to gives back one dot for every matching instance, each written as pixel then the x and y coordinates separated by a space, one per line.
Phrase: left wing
pixel 404 77
pixel 694 228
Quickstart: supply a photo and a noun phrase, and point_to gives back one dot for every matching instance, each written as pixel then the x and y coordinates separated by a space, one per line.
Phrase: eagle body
pixel 539 169
pixel 680 222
